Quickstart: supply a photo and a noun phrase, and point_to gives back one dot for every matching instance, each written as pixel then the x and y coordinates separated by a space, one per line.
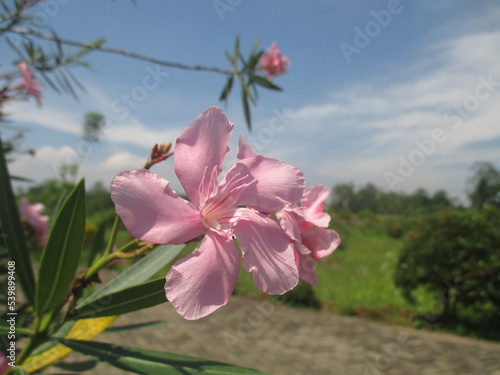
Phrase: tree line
pixel 483 189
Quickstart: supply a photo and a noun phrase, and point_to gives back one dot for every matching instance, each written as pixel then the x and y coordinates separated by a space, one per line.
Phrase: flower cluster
pixel 27 87
pixel 235 211
pixel 273 62
pixel 29 84
pixel 31 214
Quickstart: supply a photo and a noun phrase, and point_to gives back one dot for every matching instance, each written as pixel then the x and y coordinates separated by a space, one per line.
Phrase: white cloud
pixel 377 123
pixel 139 134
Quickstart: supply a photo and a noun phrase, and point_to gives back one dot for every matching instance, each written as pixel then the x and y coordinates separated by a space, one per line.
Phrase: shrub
pixel 302 296
pixel 456 255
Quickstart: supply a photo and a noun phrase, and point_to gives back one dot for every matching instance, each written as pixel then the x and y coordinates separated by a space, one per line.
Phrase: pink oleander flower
pixel 273 62
pixel 305 225
pixel 32 214
pixel 29 85
pixel 218 210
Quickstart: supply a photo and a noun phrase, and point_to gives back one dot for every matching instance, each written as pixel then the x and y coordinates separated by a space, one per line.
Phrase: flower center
pixel 217 215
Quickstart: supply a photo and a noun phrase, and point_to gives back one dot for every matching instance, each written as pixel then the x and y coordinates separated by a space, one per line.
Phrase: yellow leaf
pixel 84 329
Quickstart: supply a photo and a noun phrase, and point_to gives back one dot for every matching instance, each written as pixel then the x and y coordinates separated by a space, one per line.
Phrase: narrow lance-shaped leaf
pixel 130 327
pixel 153 362
pixel 13 233
pixel 138 273
pixel 237 48
pixel 97 247
pixel 227 89
pixel 261 81
pixel 62 252
pixel 246 109
pixel 135 298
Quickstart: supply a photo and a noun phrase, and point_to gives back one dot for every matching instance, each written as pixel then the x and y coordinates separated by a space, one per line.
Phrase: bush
pixel 398 226
pixel 302 295
pixel 456 256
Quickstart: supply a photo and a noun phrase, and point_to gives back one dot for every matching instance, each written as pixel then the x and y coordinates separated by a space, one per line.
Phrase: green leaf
pixel 152 362
pixel 246 109
pixel 62 252
pixel 138 273
pixel 20 371
pixel 22 179
pixel 13 233
pixel 234 62
pixel 98 246
pixel 261 81
pixel 227 89
pixel 76 366
pixel 237 48
pixel 135 298
pixel 130 327
pixel 252 61
pixel 5 328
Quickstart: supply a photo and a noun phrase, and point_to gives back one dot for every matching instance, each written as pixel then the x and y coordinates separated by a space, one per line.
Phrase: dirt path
pixel 282 340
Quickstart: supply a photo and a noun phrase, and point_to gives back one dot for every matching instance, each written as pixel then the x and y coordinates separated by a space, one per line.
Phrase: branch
pixel 97 47
pixel 16 14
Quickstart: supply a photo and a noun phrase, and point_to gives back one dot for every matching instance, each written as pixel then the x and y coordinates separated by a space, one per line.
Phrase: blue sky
pixel 402 94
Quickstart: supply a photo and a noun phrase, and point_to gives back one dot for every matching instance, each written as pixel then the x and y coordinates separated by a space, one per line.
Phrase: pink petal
pixel 202 147
pixel 313 204
pixel 151 211
pixel 200 283
pixel 307 271
pixel 267 253
pixel 244 149
pixel 322 242
pixel 277 184
pixel 288 221
pixel 30 84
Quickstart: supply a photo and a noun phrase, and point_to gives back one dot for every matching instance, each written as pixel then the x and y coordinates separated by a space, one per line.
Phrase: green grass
pixel 357 279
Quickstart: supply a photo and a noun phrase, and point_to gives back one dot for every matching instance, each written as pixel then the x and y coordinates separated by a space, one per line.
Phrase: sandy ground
pixel 282 340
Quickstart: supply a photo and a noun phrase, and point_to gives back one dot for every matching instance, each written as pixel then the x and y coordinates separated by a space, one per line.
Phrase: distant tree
pixel 391 203
pixel 484 185
pixel 343 197
pixel 93 124
pixel 367 197
pixel 440 201
pixel 370 198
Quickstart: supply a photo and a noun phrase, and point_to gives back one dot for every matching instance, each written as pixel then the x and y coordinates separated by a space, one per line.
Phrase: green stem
pixel 102 262
pixel 112 238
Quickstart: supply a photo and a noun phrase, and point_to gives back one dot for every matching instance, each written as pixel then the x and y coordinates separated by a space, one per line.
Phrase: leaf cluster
pixel 247 77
